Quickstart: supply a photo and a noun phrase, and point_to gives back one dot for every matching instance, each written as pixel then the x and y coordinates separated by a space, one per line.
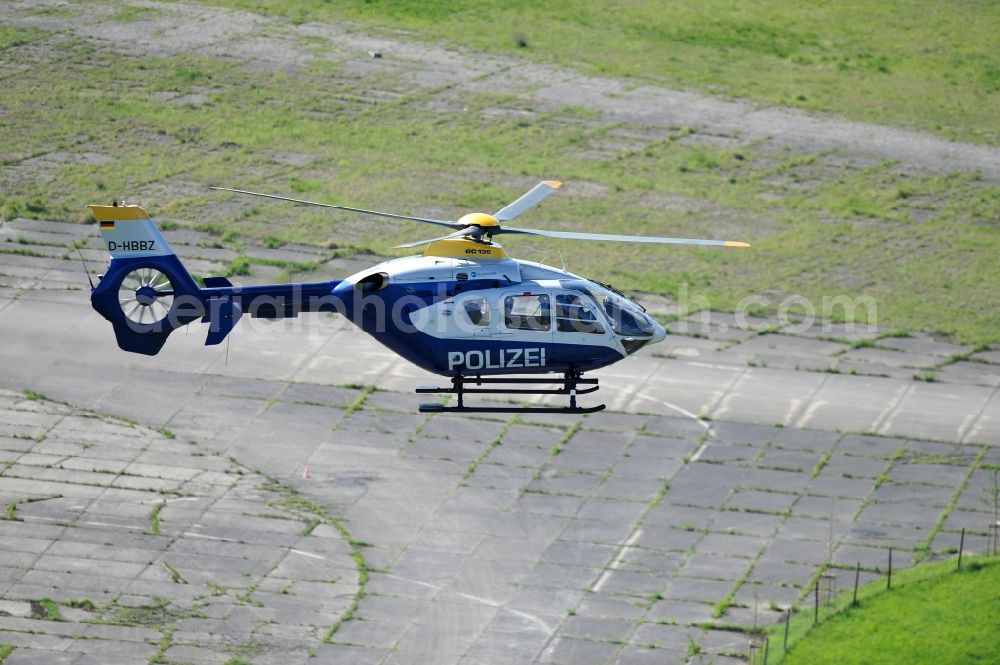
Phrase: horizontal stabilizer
pixel 222 317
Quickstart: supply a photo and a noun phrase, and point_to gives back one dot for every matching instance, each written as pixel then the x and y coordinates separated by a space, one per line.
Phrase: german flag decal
pixel 107 225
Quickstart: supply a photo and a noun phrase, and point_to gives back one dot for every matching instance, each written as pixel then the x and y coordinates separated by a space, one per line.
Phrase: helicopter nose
pixel 659 333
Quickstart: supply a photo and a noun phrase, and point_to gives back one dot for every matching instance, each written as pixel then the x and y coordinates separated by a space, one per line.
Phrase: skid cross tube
pixel 459 387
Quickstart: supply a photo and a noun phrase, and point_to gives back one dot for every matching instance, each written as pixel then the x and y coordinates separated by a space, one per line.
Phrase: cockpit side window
pixel 575 315
pixel 527 312
pixel 477 311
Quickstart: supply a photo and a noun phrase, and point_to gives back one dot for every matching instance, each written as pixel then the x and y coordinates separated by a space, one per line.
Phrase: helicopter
pixel 462 309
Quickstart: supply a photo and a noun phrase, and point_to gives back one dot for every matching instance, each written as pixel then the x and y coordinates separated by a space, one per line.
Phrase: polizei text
pixel 497 358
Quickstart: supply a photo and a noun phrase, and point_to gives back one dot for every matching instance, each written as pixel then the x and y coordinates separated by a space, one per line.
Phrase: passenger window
pixel 527 312
pixel 477 311
pixel 573 314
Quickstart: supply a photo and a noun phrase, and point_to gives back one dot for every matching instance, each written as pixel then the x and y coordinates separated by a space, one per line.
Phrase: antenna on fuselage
pixel 85 268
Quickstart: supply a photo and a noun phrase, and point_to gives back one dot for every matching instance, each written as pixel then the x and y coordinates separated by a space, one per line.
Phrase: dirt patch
pixel 43 167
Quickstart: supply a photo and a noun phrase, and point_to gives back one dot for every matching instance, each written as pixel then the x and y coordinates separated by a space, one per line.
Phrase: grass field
pixel 945 619
pixel 83 122
pixel 924 63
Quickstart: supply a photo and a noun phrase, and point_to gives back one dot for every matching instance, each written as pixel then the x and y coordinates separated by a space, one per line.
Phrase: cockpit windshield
pixel 625 316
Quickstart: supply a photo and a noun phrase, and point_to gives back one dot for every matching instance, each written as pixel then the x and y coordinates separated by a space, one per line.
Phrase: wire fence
pixel 825 600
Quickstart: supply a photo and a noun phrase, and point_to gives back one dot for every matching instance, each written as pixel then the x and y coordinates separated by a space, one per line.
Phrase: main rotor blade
pixel 472 230
pixel 533 196
pixel 573 235
pixel 440 222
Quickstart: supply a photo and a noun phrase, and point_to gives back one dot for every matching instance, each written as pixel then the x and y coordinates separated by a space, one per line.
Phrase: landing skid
pixel 460 387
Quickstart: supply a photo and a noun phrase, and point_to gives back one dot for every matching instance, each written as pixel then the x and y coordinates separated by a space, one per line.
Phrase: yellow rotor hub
pixel 479 219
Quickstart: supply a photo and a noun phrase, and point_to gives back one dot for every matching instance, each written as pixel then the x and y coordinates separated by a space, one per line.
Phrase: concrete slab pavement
pixel 533 539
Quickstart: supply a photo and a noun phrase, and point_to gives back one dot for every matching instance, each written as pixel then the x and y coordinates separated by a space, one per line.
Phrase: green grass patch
pixel 11 37
pixel 914 62
pixel 35 396
pixel 721 605
pixel 570 432
pixel 820 464
pixel 932 614
pixel 20 251
pixel 175 575
pixel 660 493
pixel 46 608
pixel 159 615
pixel 166 641
pixel 82 604
pixel 359 401
pixel 129 13
pixel 239 266
pixel 5 650
pixel 154 518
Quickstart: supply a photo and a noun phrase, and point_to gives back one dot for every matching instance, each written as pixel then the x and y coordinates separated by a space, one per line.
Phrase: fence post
pixel 767 643
pixel 857 576
pixel 788 620
pixel 755 649
pixel 961 546
pixel 888 582
pixel 816 604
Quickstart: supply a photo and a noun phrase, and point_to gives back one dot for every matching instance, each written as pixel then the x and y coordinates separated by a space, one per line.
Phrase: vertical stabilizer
pixel 129 232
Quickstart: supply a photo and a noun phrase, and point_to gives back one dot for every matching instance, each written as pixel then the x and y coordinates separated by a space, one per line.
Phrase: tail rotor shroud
pixel 146 292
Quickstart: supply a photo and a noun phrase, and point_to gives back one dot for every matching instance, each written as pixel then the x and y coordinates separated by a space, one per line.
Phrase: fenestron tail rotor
pixel 482 227
pixel 146 295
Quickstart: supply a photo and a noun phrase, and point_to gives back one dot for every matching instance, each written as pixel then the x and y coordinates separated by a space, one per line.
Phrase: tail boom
pixel 147 293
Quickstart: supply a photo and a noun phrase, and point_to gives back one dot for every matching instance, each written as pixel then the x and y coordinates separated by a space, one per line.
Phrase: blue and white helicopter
pixel 462 309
